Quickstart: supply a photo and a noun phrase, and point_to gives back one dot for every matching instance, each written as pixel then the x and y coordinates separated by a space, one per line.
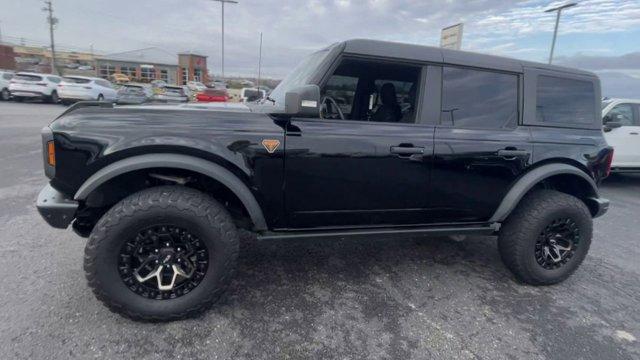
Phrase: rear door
pixel 479 148
pixel 626 138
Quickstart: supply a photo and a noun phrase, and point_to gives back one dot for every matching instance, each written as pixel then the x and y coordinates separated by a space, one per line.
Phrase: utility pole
pixel 558 10
pixel 0 32
pixel 260 62
pixel 223 2
pixel 52 21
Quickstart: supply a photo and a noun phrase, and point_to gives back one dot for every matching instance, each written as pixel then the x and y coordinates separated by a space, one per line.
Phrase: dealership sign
pixel 451 37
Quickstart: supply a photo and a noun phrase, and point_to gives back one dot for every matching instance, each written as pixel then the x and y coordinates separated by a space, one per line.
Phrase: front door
pixel 366 159
pixel 626 138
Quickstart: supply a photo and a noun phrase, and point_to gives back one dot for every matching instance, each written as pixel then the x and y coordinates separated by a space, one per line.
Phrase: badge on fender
pixel 271 145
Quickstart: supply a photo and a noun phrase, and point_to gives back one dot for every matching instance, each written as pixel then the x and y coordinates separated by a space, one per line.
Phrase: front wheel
pixel 100 97
pixel 5 94
pixel 546 238
pixel 164 253
pixel 54 97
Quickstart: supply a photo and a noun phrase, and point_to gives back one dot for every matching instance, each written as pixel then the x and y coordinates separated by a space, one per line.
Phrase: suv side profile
pixel 26 85
pixel 364 138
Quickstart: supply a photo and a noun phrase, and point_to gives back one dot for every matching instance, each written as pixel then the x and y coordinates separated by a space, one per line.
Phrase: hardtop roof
pixel 439 55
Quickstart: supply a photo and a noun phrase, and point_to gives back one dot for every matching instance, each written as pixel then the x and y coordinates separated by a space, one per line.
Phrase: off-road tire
pixel 519 233
pixel 185 207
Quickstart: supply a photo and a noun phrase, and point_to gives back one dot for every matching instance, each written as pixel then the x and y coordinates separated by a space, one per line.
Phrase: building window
pixel 130 71
pixel 185 76
pixel 147 74
pixel 106 70
pixel 197 75
pixel 164 75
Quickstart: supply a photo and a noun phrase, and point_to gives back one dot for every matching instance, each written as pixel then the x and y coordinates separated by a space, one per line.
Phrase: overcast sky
pixel 595 34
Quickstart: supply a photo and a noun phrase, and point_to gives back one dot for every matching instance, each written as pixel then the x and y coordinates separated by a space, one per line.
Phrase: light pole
pixel 558 10
pixel 222 2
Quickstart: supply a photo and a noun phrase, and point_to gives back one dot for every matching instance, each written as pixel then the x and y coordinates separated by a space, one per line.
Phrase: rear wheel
pixel 100 97
pixel 546 238
pixel 164 253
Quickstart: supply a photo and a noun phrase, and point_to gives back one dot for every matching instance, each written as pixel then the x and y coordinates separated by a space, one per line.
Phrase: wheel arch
pixel 182 162
pixel 560 176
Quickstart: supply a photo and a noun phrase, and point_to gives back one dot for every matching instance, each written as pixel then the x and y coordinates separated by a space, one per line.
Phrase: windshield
pixel 299 76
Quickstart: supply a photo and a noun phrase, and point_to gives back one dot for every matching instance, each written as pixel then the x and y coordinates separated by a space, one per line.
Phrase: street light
pixel 223 2
pixel 558 9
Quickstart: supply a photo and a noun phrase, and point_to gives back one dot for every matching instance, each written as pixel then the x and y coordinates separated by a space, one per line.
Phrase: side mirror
pixel 611 125
pixel 304 100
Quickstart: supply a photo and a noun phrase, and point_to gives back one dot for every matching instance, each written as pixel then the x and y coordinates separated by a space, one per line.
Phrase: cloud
pixel 295 28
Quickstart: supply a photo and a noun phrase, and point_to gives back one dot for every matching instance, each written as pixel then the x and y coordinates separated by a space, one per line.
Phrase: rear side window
pixel 75 80
pixel 25 77
pixel 7 76
pixel 565 101
pixel 54 79
pixel 479 99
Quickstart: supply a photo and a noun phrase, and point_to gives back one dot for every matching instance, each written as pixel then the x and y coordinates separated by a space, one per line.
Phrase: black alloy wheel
pixel 557 243
pixel 163 262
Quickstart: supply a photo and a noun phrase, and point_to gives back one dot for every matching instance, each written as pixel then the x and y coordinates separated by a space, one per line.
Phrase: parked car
pixel 134 94
pixel 251 94
pixel 213 95
pixel 170 94
pixel 196 86
pixel 489 146
pixel 218 84
pixel 621 124
pixel 158 84
pixel 119 78
pixel 25 85
pixel 5 78
pixel 76 88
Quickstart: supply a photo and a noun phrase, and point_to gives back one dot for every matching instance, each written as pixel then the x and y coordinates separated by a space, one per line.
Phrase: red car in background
pixel 213 95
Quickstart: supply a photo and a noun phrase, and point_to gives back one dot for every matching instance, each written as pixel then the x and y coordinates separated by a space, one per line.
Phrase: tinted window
pixel 622 113
pixel 75 80
pixel 54 79
pixel 479 99
pixel 7 76
pixel 565 101
pixel 25 77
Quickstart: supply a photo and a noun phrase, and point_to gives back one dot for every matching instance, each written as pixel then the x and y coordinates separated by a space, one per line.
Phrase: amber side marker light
pixel 51 153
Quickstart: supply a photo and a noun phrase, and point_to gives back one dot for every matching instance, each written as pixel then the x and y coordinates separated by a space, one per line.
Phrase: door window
pixel 367 90
pixel 479 99
pixel 564 101
pixel 622 113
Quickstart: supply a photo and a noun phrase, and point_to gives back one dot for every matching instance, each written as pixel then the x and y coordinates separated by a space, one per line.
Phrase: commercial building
pixel 143 65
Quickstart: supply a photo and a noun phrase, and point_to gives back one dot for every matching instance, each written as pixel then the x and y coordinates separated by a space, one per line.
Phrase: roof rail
pixel 81 104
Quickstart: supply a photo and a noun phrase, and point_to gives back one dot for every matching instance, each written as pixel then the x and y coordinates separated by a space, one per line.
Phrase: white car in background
pixel 196 86
pixel 25 85
pixel 77 88
pixel 621 124
pixel 5 78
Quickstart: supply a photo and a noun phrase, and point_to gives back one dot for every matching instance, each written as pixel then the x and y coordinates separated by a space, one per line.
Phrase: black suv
pixel 363 138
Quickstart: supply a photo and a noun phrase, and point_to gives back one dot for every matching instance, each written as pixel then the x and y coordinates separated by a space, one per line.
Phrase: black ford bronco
pixel 363 138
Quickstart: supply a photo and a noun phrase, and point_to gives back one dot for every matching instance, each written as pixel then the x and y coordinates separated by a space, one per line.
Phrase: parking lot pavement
pixel 405 298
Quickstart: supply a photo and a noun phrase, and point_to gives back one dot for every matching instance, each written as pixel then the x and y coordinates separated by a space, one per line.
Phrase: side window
pixel 565 101
pixel 622 113
pixel 343 90
pixel 7 76
pixel 53 79
pixel 369 90
pixel 479 99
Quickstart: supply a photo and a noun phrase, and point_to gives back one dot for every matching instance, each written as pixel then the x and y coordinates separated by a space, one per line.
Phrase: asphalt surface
pixel 346 299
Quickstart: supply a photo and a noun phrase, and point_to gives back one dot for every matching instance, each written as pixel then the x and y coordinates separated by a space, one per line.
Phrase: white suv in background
pixel 76 88
pixel 621 120
pixel 5 78
pixel 26 85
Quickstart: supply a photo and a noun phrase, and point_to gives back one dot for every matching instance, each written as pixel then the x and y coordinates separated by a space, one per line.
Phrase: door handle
pixel 511 153
pixel 404 150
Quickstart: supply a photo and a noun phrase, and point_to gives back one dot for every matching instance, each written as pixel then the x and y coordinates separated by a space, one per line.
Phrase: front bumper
pixel 598 206
pixel 55 208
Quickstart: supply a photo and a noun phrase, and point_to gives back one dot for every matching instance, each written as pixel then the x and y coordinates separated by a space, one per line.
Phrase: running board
pixel 480 229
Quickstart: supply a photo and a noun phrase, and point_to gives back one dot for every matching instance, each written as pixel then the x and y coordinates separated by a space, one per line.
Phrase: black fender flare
pixel 533 177
pixel 177 161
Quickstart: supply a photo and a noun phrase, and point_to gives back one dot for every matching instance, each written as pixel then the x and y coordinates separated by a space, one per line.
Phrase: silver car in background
pixel 134 94
pixel 170 94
